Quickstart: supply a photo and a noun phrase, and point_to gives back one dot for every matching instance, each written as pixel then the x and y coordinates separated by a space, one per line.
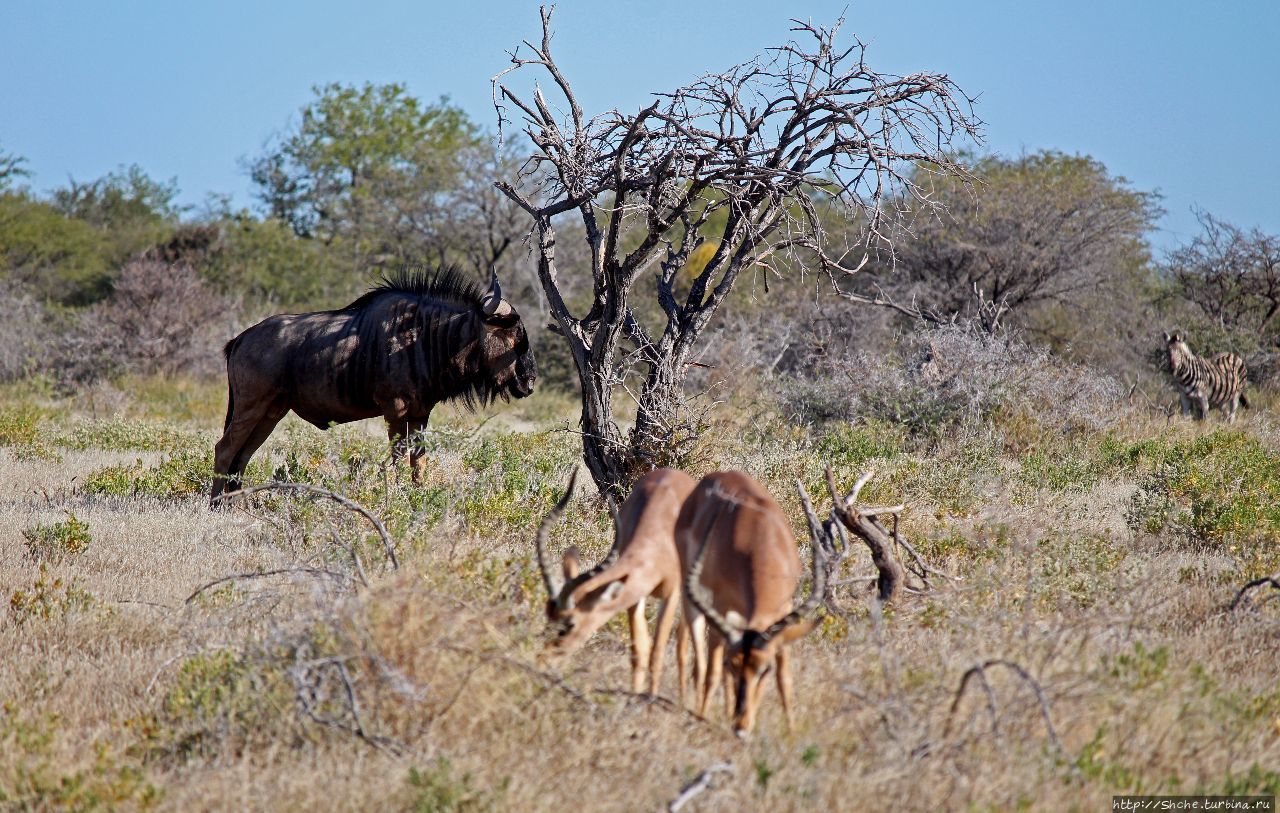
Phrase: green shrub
pixel 18 426
pixel 124 436
pixel 438 789
pixel 217 703
pixel 48 598
pixel 32 779
pixel 1221 490
pixel 55 542
pixel 184 473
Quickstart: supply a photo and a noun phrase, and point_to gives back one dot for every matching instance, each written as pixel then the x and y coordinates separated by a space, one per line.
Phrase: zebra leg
pixel 1233 403
pixel 1186 403
pixel 1202 406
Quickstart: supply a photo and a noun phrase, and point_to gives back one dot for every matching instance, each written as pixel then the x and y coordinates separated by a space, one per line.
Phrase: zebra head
pixel 1179 353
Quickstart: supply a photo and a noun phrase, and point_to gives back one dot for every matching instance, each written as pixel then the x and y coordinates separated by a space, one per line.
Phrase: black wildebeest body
pixel 412 342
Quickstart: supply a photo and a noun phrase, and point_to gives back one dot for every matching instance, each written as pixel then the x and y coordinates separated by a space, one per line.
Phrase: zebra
pixel 1206 382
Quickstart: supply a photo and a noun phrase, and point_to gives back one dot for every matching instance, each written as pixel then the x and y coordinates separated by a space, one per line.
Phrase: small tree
pixel 11 169
pixel 1232 276
pixel 1042 232
pixel 389 179
pixel 757 159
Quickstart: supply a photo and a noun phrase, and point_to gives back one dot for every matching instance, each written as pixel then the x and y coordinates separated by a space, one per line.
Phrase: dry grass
pixel 118 693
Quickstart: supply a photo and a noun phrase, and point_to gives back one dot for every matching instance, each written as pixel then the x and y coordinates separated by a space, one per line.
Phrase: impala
pixel 743 570
pixel 642 563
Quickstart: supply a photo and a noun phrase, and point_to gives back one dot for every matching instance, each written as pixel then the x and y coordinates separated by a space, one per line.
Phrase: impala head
pixel 752 654
pixel 563 604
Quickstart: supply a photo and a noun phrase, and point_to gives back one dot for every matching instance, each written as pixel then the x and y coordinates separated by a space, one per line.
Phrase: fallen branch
pixel 550 678
pixel 699 784
pixel 307 488
pixel 310 571
pixel 1243 593
pixel 979 672
pixel 308 679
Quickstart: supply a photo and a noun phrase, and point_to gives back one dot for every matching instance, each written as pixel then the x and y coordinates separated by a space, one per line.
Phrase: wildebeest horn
pixel 565 600
pixel 698 595
pixel 549 577
pixel 493 297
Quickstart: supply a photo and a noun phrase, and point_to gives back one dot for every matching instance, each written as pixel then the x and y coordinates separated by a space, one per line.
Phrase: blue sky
pixel 1178 97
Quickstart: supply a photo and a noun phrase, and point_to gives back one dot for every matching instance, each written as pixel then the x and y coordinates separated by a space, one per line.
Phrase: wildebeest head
pixel 506 356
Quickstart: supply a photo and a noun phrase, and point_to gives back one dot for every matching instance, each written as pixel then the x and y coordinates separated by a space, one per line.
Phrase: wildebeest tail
pixel 231 391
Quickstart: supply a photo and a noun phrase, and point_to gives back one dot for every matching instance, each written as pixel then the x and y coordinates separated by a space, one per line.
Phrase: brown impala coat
pixel 416 340
pixel 643 563
pixel 742 570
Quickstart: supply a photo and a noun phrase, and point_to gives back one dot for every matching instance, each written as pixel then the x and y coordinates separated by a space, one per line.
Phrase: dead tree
pixel 758 159
pixel 884 543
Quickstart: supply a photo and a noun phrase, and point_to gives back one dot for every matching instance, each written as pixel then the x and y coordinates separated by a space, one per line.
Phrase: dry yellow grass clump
pixel 157 655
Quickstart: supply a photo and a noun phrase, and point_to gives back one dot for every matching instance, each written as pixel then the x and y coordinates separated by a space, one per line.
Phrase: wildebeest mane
pixel 447 283
pixel 442 293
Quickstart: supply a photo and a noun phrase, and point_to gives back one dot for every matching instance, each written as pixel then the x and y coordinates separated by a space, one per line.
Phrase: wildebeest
pixel 413 341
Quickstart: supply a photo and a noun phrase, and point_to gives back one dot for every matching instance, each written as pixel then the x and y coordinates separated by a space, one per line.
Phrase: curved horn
pixel 492 297
pixel 698 595
pixel 816 596
pixel 549 577
pixel 564 601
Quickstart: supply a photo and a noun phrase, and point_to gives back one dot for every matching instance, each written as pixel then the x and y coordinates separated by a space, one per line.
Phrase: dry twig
pixel 699 784
pixel 307 488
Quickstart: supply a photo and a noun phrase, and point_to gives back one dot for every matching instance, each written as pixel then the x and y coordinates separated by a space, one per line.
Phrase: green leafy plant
pixel 57 541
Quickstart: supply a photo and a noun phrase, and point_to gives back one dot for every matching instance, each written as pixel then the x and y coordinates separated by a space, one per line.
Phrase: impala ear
pixel 611 592
pixel 797 630
pixel 572 564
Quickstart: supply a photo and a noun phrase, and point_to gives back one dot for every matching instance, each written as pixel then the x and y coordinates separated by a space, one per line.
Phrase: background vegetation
pixel 159 656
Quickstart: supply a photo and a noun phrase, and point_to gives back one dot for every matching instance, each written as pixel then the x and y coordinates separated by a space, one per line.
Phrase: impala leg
pixel 784 682
pixel 640 645
pixel 730 689
pixel 666 617
pixel 698 637
pixel 682 660
pixel 715 666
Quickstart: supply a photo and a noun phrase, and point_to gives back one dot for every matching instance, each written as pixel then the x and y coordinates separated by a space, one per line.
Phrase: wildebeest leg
pixel 245 435
pixel 238 430
pixel 402 433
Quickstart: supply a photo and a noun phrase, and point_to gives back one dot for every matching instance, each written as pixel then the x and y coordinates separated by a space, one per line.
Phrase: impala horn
pixel 565 600
pixel 819 592
pixel 698 595
pixel 549 577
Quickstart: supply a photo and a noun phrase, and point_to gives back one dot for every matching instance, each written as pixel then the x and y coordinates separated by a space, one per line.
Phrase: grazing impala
pixel 743 570
pixel 643 562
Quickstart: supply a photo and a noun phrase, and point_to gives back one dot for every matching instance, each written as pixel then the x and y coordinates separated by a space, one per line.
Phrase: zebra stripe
pixel 1205 383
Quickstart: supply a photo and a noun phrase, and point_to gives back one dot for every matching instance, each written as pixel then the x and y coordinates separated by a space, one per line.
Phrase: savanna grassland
pixel 157 655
